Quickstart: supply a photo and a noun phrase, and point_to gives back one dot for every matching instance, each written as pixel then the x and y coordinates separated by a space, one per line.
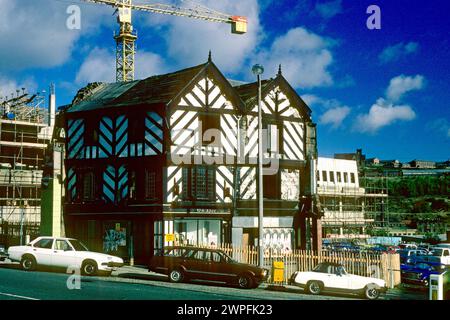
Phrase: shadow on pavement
pixel 140 276
pixel 164 278
pixel 10 265
pixel 16 266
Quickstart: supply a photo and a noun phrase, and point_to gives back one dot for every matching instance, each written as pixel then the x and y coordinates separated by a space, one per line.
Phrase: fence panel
pixel 383 266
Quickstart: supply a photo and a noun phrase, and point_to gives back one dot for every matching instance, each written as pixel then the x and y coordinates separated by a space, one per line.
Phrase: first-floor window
pixel 132 180
pixel 272 186
pixel 199 183
pixel 88 181
pixel 150 184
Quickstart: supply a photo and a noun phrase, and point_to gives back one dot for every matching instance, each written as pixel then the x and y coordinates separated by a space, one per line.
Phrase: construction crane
pixel 126 37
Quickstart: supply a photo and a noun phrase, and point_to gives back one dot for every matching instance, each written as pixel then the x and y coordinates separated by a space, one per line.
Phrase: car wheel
pixel 314 287
pixel 372 292
pixel 245 281
pixel 28 263
pixel 176 275
pixel 89 268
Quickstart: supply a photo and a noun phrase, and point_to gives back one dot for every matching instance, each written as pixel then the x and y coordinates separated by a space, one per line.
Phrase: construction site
pixel 350 206
pixel 354 206
pixel 25 132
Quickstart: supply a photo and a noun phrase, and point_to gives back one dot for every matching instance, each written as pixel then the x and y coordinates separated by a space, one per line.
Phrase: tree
pixel 431 238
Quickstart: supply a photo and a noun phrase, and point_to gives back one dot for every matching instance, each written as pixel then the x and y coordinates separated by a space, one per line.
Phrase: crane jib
pixel 125 40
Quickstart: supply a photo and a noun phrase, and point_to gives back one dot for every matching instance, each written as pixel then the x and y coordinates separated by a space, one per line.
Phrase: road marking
pixel 16 296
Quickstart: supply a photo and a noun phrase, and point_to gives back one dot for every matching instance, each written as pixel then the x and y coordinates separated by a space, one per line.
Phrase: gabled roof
pixel 248 93
pixel 153 90
pixel 160 89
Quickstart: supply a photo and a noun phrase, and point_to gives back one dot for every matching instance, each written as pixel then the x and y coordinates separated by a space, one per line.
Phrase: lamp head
pixel 257 69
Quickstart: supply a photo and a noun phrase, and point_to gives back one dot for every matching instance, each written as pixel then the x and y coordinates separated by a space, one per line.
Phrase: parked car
pixel 380 248
pixel 189 263
pixel 407 246
pixel 419 273
pixel 411 255
pixel 63 252
pixel 437 255
pixel 443 245
pixel 3 254
pixel 333 277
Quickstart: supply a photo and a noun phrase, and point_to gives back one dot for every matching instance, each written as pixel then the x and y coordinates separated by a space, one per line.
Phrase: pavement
pixel 136 283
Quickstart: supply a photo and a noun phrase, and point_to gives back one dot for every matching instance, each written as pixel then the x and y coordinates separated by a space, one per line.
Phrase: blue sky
pixel 385 91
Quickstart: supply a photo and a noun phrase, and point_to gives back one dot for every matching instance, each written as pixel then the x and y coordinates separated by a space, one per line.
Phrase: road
pixel 42 285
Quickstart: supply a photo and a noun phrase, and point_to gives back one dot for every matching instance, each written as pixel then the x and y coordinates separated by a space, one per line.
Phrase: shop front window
pixel 198 232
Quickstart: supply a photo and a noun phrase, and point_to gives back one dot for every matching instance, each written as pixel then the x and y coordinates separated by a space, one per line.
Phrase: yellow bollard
pixel 278 271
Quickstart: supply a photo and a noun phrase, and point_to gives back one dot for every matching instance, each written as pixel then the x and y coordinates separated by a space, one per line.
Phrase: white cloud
pixel 8 86
pixel 305 57
pixel 396 51
pixel 381 114
pixel 402 84
pixel 99 66
pixel 35 35
pixel 386 111
pixel 335 116
pixel 334 113
pixel 189 40
pixel 311 99
pixel 329 9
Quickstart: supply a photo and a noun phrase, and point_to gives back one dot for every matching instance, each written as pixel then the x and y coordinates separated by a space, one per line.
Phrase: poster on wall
pixel 278 238
pixel 114 238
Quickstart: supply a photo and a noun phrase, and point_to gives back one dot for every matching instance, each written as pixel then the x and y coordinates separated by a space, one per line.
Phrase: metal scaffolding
pixel 24 135
pixel 349 211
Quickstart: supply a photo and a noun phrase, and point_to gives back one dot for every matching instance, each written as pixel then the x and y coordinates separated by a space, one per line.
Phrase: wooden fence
pixel 376 265
pixel 10 233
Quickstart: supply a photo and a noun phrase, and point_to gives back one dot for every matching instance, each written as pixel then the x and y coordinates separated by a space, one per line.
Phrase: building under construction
pixel 352 204
pixel 25 131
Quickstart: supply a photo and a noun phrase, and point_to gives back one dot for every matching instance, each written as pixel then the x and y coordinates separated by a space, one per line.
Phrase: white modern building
pixel 342 198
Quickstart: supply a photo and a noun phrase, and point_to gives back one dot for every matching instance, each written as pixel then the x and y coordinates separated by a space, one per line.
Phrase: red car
pixel 189 263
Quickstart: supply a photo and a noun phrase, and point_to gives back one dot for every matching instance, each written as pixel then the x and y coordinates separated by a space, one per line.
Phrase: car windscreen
pixel 436 252
pixel 78 246
pixel 227 257
pixel 323 268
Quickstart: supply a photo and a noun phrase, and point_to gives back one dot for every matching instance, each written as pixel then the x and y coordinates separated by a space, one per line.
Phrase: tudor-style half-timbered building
pixel 289 146
pixel 172 159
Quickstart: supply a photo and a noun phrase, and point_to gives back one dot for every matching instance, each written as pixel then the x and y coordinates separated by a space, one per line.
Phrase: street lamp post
pixel 257 70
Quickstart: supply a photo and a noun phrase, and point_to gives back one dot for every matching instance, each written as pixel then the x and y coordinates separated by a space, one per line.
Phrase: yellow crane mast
pixel 126 37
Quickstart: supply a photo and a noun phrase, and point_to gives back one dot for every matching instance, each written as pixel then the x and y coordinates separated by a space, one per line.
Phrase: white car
pixel 333 277
pixel 64 253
